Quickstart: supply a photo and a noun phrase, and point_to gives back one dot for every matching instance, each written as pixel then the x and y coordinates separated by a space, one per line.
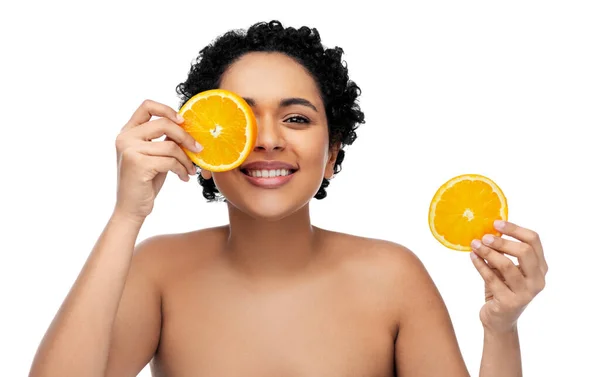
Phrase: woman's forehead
pixel 268 76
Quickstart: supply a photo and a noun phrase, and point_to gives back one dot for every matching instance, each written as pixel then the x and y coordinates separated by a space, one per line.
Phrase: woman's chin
pixel 270 208
pixel 269 211
pixel 269 204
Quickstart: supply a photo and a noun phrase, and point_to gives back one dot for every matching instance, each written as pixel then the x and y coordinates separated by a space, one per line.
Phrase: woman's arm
pixel 509 288
pixel 109 323
pixel 501 354
pixel 77 342
pixel 426 344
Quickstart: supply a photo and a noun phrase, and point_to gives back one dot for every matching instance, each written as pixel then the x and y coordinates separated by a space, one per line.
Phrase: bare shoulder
pixel 425 342
pixel 156 261
pixel 391 268
pixel 165 255
pixel 383 255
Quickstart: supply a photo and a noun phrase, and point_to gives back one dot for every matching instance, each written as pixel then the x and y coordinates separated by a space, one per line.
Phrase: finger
pixel 163 126
pixel 195 167
pixel 162 164
pixel 150 108
pixel 511 274
pixel 522 234
pixel 528 259
pixel 492 281
pixel 168 148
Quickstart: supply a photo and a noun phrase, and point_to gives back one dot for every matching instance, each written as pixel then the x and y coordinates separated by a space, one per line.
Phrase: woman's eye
pixel 297 119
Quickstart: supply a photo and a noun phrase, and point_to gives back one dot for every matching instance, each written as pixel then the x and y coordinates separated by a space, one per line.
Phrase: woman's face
pixel 292 154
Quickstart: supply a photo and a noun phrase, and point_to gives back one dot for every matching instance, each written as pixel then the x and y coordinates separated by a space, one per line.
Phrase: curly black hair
pixel 338 92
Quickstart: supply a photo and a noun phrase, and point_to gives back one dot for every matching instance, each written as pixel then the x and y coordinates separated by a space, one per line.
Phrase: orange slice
pixel 464 208
pixel 224 124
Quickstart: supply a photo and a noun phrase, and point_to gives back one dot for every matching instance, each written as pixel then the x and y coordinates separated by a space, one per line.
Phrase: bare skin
pixel 334 315
pixel 269 294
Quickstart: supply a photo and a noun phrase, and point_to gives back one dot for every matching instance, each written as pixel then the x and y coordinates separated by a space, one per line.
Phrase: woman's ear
pixel 333 153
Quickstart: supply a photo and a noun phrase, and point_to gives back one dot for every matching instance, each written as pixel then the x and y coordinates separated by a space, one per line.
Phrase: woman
pixel 270 294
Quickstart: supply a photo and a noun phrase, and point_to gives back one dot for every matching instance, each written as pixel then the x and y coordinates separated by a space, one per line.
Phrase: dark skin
pixel 269 294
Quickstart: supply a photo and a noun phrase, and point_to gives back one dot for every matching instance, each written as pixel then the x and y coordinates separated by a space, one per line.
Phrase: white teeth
pixel 268 173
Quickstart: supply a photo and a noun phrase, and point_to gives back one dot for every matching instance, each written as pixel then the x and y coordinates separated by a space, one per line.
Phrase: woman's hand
pixel 143 163
pixel 509 288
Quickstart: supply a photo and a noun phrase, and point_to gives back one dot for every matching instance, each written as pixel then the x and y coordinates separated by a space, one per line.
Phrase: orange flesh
pixel 468 212
pixel 224 125
pixel 464 209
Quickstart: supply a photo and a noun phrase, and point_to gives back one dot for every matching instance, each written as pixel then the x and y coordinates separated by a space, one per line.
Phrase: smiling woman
pixel 270 294
pixel 318 73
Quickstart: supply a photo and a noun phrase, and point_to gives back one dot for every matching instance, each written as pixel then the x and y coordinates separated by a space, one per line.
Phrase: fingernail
pixel 488 239
pixel 180 118
pixel 473 255
pixel 198 147
pixel 499 224
pixel 475 244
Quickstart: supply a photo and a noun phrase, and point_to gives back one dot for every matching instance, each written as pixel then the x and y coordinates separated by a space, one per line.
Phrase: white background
pixel 507 89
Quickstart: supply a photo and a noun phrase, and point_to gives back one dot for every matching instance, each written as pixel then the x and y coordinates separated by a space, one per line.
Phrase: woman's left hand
pixel 509 288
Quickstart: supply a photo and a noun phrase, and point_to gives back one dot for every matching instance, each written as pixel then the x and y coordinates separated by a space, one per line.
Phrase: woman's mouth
pixel 268 178
pixel 267 173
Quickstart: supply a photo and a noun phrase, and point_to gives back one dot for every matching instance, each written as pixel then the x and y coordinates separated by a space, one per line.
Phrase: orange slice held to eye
pixel 224 124
pixel 464 208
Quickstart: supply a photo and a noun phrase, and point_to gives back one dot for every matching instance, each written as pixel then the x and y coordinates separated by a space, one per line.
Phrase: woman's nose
pixel 269 136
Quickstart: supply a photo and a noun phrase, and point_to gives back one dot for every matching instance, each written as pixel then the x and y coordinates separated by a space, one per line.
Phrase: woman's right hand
pixel 142 163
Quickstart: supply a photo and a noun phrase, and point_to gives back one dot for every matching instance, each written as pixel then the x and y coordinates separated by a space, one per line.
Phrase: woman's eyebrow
pixel 287 102
pixel 250 101
pixel 297 101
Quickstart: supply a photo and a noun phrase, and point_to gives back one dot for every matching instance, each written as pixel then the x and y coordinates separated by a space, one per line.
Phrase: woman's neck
pixel 266 247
